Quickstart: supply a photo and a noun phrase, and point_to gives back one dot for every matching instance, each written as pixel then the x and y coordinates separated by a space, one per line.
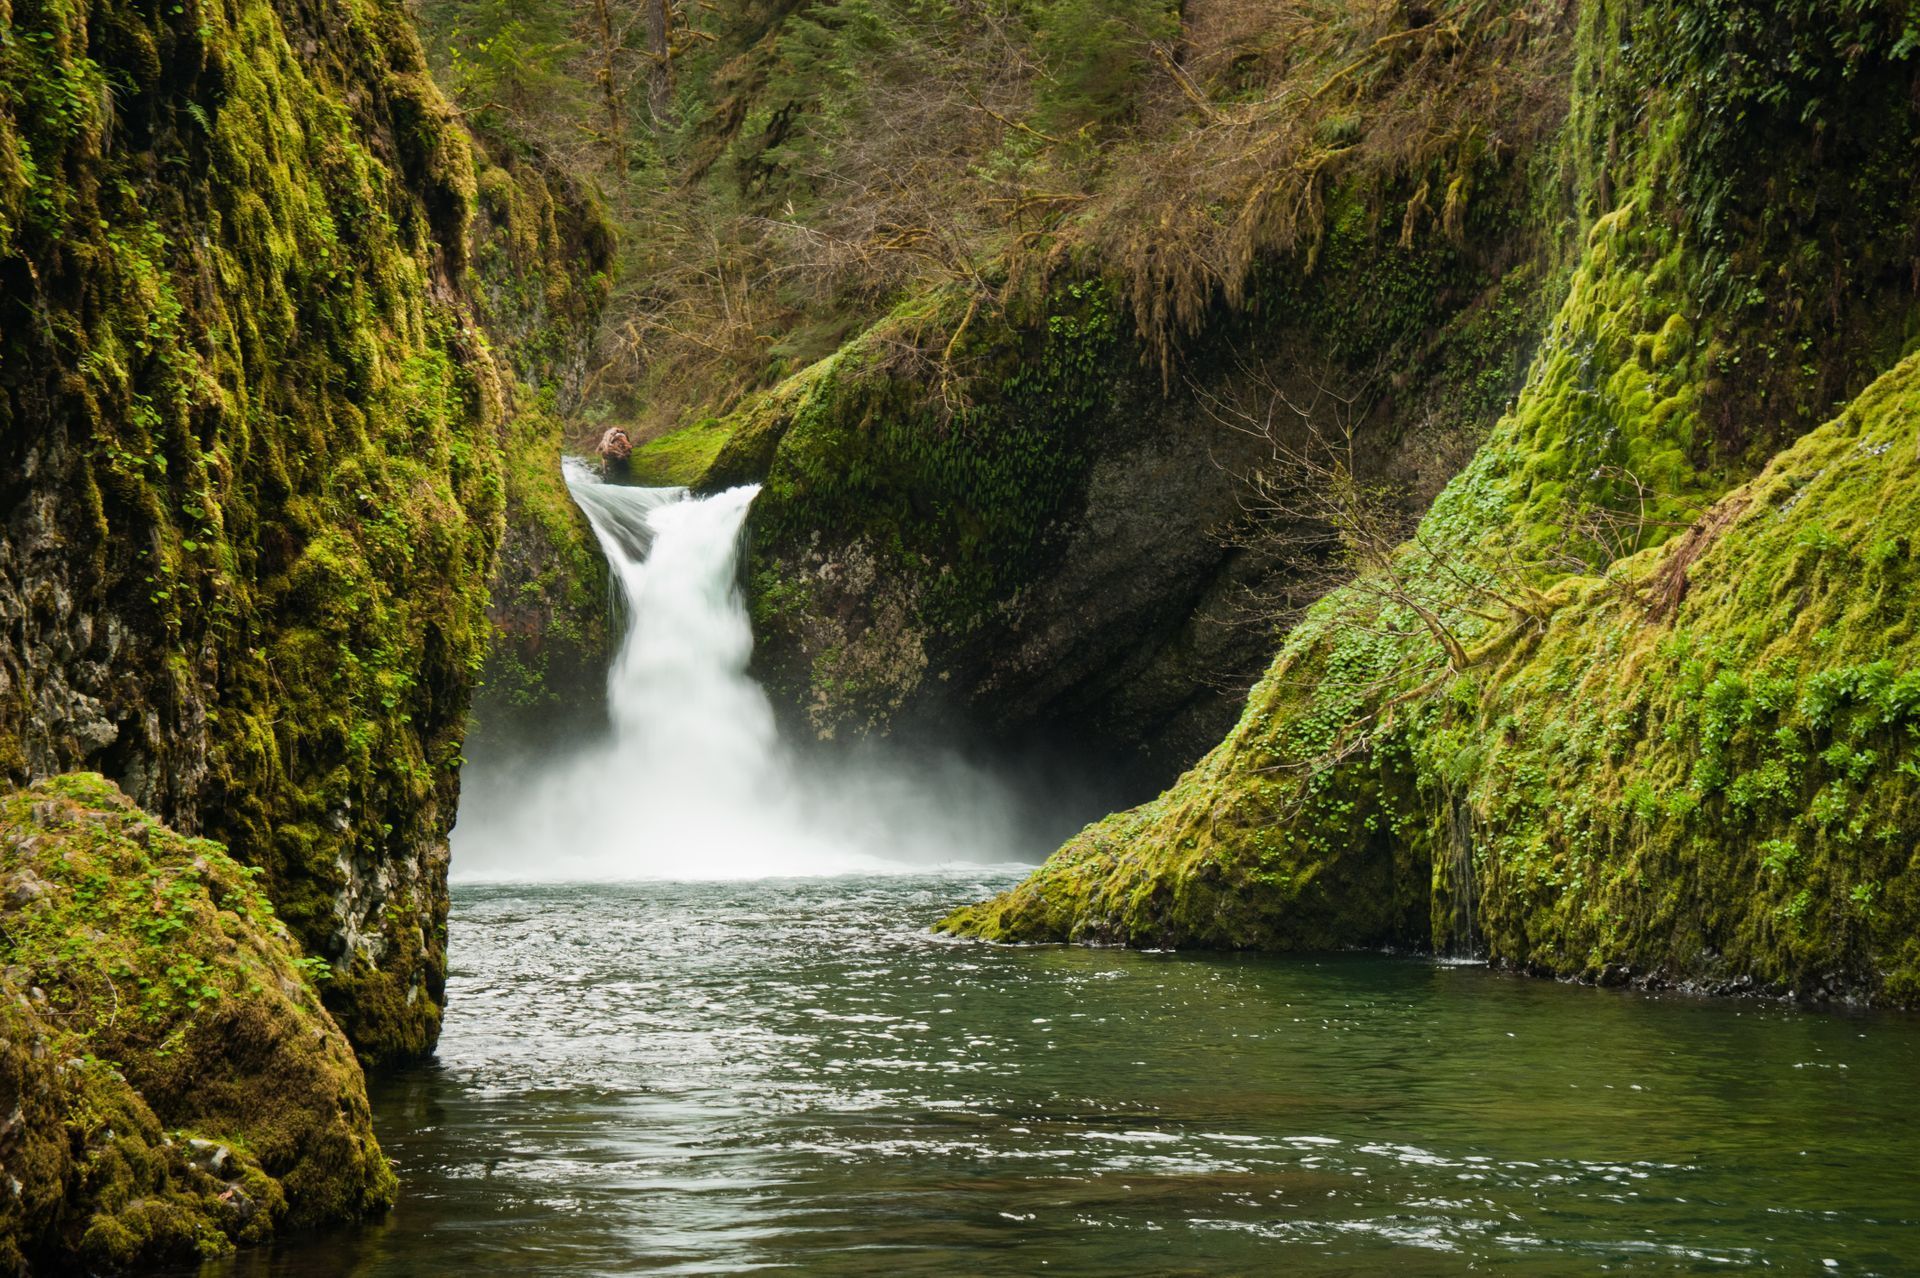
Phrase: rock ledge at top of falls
pixel 173 1085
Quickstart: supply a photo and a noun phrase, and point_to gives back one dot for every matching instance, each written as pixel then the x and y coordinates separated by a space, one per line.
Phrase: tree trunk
pixel 660 56
pixel 610 88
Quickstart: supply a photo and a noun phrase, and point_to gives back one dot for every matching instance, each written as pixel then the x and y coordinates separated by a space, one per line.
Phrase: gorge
pixel 1168 560
pixel 711 1031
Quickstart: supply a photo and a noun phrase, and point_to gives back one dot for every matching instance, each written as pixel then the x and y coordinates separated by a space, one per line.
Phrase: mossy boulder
pixel 174 1084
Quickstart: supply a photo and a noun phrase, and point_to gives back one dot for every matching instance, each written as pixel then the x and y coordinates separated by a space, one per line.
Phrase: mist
pixel 692 779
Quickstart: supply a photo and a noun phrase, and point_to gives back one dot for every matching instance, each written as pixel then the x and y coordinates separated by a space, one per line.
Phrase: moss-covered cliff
pixel 250 450
pixel 544 676
pixel 174 1086
pixel 1015 505
pixel 1620 710
pixel 542 273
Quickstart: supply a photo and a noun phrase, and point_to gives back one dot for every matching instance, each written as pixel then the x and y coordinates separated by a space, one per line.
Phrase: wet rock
pixel 211 1156
pixel 23 888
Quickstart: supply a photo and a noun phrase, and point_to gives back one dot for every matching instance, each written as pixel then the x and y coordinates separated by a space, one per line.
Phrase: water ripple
pixel 724 1078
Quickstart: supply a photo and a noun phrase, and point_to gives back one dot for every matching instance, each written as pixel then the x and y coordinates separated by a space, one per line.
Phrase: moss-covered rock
pixel 250 446
pixel 1674 743
pixel 1719 791
pixel 543 263
pixel 545 670
pixel 542 272
pixel 1034 537
pixel 174 1085
pixel 682 457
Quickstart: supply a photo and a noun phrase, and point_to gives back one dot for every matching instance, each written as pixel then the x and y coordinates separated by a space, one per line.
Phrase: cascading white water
pixel 686 718
pixel 694 781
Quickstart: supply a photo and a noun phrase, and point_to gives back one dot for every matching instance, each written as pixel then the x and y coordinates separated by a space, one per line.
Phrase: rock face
pixel 1016 505
pixel 1672 739
pixel 545 675
pixel 1063 553
pixel 541 275
pixel 250 451
pixel 174 1085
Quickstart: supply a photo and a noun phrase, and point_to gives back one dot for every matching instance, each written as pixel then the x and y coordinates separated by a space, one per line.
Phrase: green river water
pixel 792 1075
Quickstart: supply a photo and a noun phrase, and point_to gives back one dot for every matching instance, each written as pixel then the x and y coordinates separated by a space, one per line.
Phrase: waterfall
pixel 693 779
pixel 687 720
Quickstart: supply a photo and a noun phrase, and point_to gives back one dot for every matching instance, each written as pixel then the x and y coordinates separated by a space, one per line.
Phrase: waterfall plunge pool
pixel 793 1076
pixel 718 1039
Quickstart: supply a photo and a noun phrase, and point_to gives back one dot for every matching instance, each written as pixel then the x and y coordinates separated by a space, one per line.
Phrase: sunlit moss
pixel 681 457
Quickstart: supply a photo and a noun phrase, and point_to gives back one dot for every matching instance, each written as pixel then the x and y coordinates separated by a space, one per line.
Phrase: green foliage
pixel 506 57
pixel 793 173
pixel 1096 57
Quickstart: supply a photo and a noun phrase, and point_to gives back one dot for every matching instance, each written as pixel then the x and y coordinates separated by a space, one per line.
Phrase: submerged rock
pixel 172 1085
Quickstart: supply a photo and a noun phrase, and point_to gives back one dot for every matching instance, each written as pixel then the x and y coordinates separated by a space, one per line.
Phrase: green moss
pixel 1729 792
pixel 542 273
pixel 237 342
pixel 1692 767
pixel 181 1089
pixel 755 428
pixel 547 660
pixel 913 500
pixel 969 485
pixel 680 458
pixel 940 497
